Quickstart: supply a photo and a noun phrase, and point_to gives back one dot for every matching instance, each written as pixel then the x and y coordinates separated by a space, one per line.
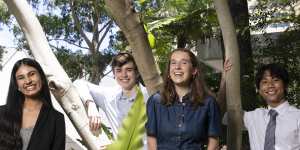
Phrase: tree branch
pixel 96 21
pixel 77 24
pixel 108 23
pixel 68 41
pixel 104 34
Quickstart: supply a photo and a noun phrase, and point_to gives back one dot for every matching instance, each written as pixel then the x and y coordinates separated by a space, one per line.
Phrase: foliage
pixel 72 27
pixel 130 135
pixel 107 131
pixel 285 50
pixel 269 13
pixel 172 22
pixel 278 47
pixel 4 15
pixel 78 65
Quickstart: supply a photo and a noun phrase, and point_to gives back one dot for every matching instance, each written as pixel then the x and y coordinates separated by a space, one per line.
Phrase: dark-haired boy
pixel 276 127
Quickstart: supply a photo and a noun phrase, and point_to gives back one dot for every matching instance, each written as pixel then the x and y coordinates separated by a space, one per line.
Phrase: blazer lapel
pixel 41 120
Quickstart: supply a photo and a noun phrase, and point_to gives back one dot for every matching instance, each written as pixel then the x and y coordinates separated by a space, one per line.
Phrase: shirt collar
pixel 122 97
pixel 185 99
pixel 280 109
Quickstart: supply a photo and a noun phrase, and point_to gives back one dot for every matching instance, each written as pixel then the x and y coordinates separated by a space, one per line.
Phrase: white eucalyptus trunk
pixel 62 88
pixel 233 96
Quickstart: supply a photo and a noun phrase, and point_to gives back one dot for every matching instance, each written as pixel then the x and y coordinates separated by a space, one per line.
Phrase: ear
pixel 194 71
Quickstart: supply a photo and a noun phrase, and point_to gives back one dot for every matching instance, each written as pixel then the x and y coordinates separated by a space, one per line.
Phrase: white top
pixel 287 132
pixel 109 100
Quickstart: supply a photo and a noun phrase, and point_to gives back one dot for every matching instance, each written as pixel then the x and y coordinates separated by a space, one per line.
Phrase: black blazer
pixel 49 131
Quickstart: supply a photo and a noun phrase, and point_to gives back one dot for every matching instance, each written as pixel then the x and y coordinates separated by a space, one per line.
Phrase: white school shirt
pixel 287 132
pixel 107 99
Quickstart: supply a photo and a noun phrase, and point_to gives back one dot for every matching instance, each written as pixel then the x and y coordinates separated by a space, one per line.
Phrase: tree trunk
pixel 130 24
pixel 65 93
pixel 240 15
pixel 234 134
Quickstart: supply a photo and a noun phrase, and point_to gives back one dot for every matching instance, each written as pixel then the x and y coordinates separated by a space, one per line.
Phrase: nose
pixel 177 65
pixel 124 73
pixel 28 80
pixel 271 84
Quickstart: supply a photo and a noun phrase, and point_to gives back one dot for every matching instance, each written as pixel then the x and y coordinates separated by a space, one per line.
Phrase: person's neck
pixel 128 92
pixel 274 105
pixel 182 91
pixel 32 104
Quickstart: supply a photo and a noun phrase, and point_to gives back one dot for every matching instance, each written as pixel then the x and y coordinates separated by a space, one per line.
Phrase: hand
pixel 94 116
pixel 224 147
pixel 227 65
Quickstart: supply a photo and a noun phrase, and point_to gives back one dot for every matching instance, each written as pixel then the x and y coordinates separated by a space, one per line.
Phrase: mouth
pixel 178 74
pixel 30 87
pixel 270 92
pixel 124 80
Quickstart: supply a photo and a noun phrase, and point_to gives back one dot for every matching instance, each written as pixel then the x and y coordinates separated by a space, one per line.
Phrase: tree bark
pixel 234 134
pixel 65 92
pixel 240 15
pixel 130 24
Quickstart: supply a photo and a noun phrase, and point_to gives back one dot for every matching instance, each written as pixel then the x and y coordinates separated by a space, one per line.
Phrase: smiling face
pixel 181 69
pixel 272 88
pixel 126 75
pixel 28 81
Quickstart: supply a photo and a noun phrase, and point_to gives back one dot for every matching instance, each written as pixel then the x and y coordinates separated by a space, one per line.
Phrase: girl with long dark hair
pixel 183 115
pixel 28 120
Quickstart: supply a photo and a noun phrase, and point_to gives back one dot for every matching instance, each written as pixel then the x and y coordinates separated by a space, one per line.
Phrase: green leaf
pixel 130 136
pixel 106 131
pixel 151 40
pixel 142 2
pixel 162 22
pixel 146 29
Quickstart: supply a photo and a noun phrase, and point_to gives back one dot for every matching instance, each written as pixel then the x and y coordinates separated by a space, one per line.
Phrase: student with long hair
pixel 28 120
pixel 183 115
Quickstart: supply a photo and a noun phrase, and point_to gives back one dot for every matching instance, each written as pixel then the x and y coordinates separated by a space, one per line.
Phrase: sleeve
pixel 214 119
pixel 145 93
pixel 151 123
pixel 298 128
pixel 89 91
pixel 246 116
pixel 59 140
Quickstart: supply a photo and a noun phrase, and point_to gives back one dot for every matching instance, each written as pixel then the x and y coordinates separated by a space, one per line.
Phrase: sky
pixel 6 38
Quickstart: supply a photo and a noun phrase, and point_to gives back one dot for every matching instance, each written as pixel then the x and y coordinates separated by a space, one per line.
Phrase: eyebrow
pixel 27 73
pixel 184 59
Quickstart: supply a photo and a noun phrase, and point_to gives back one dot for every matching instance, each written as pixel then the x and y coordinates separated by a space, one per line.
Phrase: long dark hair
pixel 11 116
pixel 198 88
